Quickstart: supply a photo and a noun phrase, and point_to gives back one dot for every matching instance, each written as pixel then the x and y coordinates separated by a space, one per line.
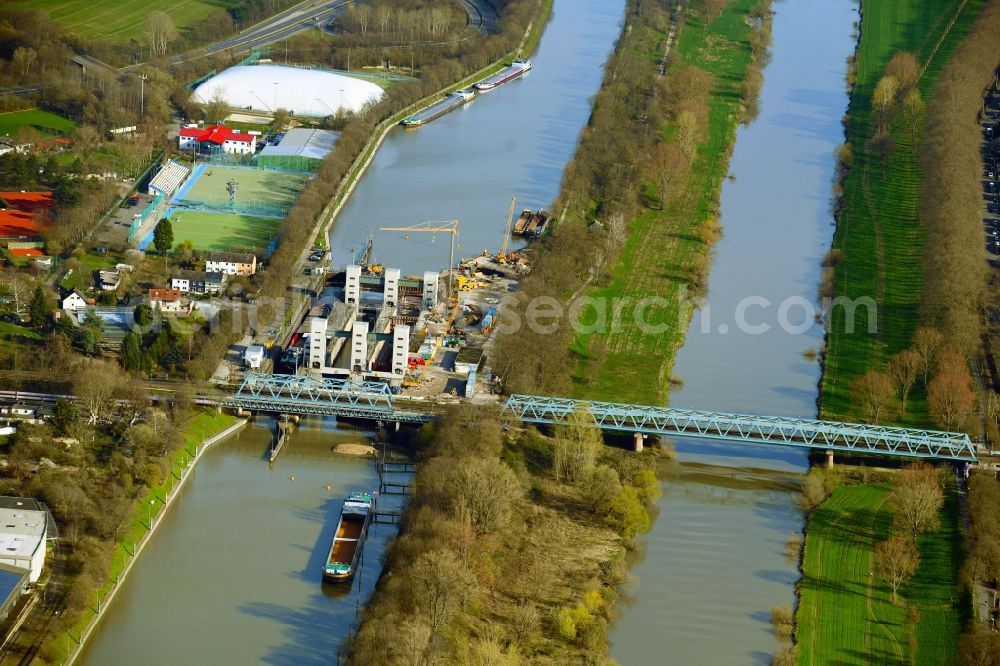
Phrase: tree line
pixel 511 548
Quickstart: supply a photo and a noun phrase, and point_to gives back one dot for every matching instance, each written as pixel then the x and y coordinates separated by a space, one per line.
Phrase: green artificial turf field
pixel 223 231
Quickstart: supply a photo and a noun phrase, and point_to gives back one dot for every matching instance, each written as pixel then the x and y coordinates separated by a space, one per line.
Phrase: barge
pixel 532 223
pixel 509 73
pixel 439 108
pixel 349 539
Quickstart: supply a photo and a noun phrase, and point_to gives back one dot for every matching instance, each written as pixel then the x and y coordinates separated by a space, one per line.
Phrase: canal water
pixel 232 575
pixel 713 565
pixel 466 165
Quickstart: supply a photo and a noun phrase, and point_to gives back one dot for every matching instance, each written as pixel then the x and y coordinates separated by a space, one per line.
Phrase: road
pixel 305 16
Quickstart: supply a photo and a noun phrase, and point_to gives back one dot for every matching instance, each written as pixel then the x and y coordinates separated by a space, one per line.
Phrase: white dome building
pixel 304 92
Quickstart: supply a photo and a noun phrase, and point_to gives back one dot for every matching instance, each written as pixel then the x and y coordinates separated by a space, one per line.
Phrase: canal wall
pixel 141 544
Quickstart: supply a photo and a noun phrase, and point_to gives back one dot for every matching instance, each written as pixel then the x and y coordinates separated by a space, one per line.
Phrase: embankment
pixel 638 205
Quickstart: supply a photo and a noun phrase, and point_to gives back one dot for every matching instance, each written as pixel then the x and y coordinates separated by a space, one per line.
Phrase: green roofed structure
pixel 300 149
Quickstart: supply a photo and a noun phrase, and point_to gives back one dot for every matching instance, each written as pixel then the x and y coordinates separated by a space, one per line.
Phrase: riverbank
pixel 879 245
pixel 642 191
pixel 846 612
pixel 512 547
pixel 202 432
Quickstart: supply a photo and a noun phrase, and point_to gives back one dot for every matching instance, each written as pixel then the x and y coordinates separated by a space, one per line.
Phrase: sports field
pixel 223 231
pixel 118 21
pixel 272 191
pixel 42 121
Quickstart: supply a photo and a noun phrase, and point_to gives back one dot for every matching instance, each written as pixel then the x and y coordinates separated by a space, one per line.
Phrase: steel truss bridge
pixel 295 394
pixel 299 394
pixel 784 431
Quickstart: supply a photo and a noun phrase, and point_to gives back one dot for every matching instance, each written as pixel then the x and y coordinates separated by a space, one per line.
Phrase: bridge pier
pixel 829 459
pixel 638 437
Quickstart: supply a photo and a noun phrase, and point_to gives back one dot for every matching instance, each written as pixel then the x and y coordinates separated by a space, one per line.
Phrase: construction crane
pixel 502 257
pixel 449 227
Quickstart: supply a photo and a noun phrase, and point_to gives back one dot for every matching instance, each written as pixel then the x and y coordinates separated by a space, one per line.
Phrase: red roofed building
pixel 168 300
pixel 22 214
pixel 216 139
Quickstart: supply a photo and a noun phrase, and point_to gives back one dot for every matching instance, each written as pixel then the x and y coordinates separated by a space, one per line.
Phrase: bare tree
pixel 217 107
pixel 576 447
pixel 24 59
pixel 18 287
pixel 159 32
pixel 904 368
pixel 95 388
pixel 913 111
pixel 884 98
pixel 950 396
pixel 441 586
pixel 905 69
pixel 874 393
pixel 87 139
pixel 926 341
pixel 489 489
pixel 916 500
pixel 672 166
pixel 896 560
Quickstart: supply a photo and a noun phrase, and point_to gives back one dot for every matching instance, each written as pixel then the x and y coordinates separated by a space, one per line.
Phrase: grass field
pixel 223 231
pixel 258 189
pixel 877 229
pixel 42 121
pixel 119 21
pixel 845 616
pixel 669 239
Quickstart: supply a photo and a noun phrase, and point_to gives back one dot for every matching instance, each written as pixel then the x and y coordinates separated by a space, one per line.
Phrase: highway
pixel 305 16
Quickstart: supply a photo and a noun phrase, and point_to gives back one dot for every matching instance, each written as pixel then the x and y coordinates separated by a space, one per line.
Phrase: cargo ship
pixel 532 223
pixel 349 539
pixel 451 101
pixel 508 73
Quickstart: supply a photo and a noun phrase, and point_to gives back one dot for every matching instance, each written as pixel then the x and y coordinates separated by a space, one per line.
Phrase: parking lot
pixel 991 191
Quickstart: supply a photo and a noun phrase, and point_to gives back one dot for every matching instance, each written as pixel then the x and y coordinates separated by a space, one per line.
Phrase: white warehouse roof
pixel 303 142
pixel 304 92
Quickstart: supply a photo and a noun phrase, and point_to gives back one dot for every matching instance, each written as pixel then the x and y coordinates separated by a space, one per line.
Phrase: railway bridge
pixel 292 394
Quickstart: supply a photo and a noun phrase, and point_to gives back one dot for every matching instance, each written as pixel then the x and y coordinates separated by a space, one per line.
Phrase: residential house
pixel 197 282
pixel 75 300
pixel 231 263
pixel 168 300
pixel 216 139
pixel 108 280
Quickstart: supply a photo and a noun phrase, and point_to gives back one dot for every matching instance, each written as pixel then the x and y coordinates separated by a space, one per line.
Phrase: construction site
pixel 425 335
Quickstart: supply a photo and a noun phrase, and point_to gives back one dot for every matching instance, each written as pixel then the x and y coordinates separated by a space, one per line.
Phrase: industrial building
pixel 22 540
pixel 299 149
pixel 368 334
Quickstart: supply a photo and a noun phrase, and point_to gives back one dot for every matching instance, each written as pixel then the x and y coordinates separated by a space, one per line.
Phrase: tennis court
pixel 258 191
pixel 223 231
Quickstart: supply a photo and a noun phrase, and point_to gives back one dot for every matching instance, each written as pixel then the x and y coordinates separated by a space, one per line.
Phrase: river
pixel 713 565
pixel 466 165
pixel 232 575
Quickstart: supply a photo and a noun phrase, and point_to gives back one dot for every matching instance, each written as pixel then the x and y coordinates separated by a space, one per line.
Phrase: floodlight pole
pixel 275 107
pixel 142 95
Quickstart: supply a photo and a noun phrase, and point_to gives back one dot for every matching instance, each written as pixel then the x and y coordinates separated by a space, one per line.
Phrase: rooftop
pixel 230 257
pixel 302 142
pixel 20 532
pixel 216 134
pixel 166 295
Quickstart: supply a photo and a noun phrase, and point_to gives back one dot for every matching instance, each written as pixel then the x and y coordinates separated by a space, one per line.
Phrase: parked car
pixel 10 318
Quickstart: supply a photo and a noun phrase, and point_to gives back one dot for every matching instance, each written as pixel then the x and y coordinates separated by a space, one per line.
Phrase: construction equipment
pixel 367 256
pixel 449 227
pixel 502 257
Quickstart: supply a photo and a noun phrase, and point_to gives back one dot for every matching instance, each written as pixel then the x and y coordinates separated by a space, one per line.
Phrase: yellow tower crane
pixel 449 227
pixel 502 257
